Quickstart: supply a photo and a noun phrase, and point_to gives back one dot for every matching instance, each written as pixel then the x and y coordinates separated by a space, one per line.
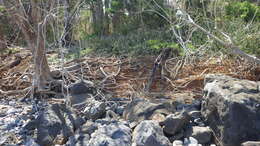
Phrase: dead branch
pixel 229 45
pixel 14 92
pixel 158 63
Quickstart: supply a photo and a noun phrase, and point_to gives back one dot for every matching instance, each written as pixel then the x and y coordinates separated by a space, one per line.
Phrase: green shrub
pixel 244 10
pixel 245 35
pixel 138 42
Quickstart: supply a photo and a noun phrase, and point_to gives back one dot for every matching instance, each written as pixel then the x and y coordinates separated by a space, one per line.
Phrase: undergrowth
pixel 240 20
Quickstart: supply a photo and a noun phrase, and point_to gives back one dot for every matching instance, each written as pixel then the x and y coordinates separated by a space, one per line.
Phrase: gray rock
pixel 82 87
pixel 190 141
pixel 177 143
pixel 14 115
pixel 149 133
pixel 202 134
pixel 78 140
pixel 120 110
pixel 111 135
pixel 72 141
pixel 186 101
pixel 80 92
pixel 55 120
pixel 176 136
pixel 174 123
pixel 251 143
pixel 141 109
pixel 95 109
pixel 231 107
pixel 82 140
pixel 88 128
pixel 31 142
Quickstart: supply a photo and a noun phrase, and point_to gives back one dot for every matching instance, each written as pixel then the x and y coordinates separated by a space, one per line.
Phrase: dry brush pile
pixel 124 77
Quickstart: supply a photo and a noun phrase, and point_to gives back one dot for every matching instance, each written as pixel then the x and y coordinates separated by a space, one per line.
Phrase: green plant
pixel 245 10
pixel 2 9
pixel 246 36
pixel 157 45
pixel 138 42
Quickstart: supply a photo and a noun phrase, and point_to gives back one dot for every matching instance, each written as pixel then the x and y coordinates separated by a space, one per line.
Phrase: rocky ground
pixel 228 114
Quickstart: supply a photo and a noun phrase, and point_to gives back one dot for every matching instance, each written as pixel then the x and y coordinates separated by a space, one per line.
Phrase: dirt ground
pixel 125 77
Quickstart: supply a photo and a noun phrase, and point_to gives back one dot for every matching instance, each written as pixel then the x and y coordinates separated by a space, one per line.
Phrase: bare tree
pixel 71 7
pixel 67 24
pixel 98 17
pixel 31 17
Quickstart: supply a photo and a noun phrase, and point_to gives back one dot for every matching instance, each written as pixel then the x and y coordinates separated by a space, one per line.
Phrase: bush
pixel 244 10
pixel 139 42
pixel 246 36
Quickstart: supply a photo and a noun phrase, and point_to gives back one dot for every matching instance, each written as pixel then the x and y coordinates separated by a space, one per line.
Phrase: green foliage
pixel 244 10
pixel 145 42
pixel 77 53
pixel 157 45
pixel 116 5
pixel 244 35
pixel 2 9
pixel 9 50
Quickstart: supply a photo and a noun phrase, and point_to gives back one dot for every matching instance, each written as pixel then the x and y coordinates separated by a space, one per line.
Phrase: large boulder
pixel 55 120
pixel 141 109
pixel 231 107
pixel 149 133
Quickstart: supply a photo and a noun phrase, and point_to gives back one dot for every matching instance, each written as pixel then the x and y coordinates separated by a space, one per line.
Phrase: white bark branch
pixel 229 45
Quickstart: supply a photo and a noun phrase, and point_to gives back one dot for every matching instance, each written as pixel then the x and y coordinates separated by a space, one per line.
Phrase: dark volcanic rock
pixel 149 133
pixel 174 123
pixel 80 92
pixel 94 109
pixel 55 120
pixel 202 134
pixel 232 109
pixel 141 109
pixel 88 128
pixel 78 140
pixel 14 115
pixel 82 87
pixel 31 142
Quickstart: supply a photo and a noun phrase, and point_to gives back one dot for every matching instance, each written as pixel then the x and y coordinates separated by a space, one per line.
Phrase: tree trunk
pixel 41 67
pixel 98 17
pixel 116 21
pixel 106 17
pixel 66 42
pixel 32 29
